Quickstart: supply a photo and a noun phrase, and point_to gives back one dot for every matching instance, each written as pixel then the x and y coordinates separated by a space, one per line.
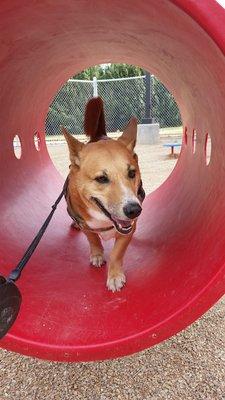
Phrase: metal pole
pixel 95 87
pixel 148 99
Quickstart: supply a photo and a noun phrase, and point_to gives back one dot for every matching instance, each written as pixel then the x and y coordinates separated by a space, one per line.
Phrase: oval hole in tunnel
pixel 208 148
pixel 17 148
pixel 37 141
pixel 194 139
pixel 185 136
pixel 126 91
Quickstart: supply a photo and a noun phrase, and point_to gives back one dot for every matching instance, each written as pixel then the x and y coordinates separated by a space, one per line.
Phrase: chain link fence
pixel 123 98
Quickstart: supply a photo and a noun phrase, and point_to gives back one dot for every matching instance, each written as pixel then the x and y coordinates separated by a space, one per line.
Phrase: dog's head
pixel 107 177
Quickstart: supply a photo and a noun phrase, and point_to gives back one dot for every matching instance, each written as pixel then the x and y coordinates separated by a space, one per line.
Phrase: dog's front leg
pixel 96 249
pixel 116 278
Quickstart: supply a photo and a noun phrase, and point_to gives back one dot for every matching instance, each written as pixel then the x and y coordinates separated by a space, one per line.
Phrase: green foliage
pixel 67 108
pixel 109 71
pixel 122 99
pixel 164 108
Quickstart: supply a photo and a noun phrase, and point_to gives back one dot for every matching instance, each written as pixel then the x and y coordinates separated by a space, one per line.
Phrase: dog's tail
pixel 94 120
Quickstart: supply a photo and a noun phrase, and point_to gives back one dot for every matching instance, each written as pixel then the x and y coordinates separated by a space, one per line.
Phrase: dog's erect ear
pixel 74 146
pixel 129 135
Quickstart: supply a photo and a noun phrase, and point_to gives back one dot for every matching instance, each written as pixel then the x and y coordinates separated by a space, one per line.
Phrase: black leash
pixel 15 273
pixel 10 296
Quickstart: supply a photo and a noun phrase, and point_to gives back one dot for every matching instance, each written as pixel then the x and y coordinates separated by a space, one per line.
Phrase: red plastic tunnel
pixel 175 264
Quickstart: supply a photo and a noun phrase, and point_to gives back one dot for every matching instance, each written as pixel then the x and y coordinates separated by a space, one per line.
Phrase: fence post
pixel 95 87
pixel 148 99
pixel 148 131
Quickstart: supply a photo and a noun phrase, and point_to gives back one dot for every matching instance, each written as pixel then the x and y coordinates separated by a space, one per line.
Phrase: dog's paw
pixel 97 260
pixel 116 283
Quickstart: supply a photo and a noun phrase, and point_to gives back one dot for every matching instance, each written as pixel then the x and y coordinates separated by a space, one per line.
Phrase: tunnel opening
pixel 126 91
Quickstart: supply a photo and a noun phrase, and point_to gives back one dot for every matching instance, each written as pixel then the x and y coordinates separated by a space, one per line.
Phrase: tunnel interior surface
pixel 175 264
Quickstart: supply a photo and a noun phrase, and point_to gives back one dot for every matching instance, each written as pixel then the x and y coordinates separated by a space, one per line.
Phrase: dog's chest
pixel 108 234
pixel 98 221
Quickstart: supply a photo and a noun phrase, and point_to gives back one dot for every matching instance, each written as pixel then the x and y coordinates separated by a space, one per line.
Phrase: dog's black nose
pixel 132 210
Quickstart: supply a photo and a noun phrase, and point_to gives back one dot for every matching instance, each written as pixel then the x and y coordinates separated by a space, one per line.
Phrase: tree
pixel 165 109
pixel 109 71
pixel 122 99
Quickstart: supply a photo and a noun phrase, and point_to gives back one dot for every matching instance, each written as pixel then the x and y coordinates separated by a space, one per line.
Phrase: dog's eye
pixel 131 173
pixel 102 179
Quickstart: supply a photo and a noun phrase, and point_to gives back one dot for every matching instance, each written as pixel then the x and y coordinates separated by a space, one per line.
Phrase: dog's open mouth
pixel 122 226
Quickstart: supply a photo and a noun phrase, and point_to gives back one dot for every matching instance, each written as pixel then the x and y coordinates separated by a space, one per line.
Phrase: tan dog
pixel 105 193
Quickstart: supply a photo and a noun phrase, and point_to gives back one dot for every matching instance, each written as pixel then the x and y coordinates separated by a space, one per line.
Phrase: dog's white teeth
pixel 126 228
pixel 123 229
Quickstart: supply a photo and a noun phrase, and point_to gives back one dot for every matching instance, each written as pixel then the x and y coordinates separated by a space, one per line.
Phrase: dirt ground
pixel 189 366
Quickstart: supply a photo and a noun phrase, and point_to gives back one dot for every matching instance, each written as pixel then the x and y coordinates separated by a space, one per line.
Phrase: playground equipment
pixel 172 146
pixel 176 262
